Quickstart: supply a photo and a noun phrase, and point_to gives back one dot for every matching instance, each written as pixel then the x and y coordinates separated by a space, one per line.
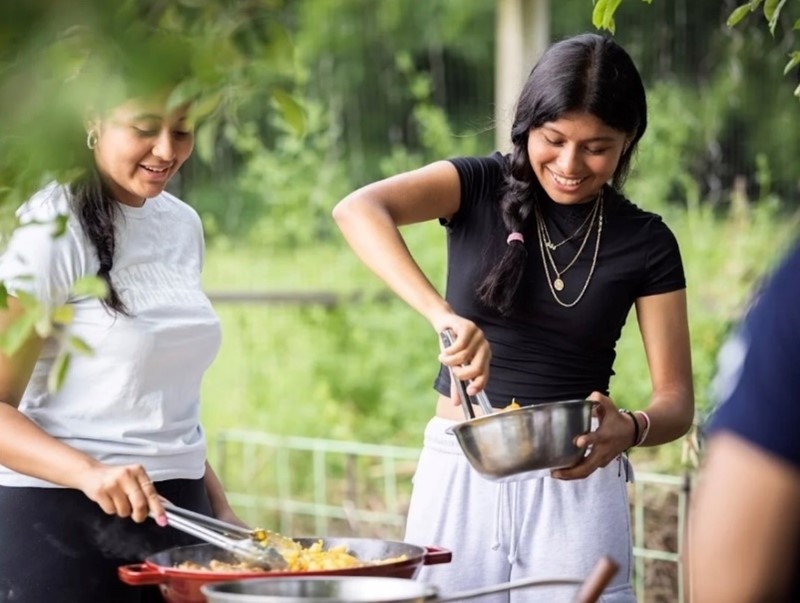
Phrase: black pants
pixel 57 546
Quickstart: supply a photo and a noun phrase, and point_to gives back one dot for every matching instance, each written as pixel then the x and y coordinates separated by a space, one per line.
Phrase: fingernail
pixel 162 521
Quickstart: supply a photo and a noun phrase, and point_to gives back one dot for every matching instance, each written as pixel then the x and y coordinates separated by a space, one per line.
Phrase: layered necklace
pixel 554 275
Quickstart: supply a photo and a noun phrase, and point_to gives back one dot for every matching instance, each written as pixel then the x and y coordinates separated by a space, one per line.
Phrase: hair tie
pixel 515 236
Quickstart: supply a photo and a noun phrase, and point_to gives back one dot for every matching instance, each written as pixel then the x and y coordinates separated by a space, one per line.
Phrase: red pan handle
pixel 435 555
pixel 139 574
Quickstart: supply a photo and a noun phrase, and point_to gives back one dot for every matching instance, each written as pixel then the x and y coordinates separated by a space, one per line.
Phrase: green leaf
pixel 58 372
pixel 291 110
pixel 603 14
pixel 796 24
pixel 204 106
pixel 63 315
pixel 43 326
pixel 91 286
pixel 3 297
pixel 29 302
pixel 794 61
pixel 80 346
pixel 205 140
pixel 59 225
pixel 772 11
pixel 185 92
pixel 16 333
pixel 737 15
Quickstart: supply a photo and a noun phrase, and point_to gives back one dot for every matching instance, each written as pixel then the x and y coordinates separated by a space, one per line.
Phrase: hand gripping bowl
pixel 513 445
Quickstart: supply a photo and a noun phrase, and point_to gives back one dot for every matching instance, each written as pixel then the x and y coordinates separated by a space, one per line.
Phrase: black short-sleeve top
pixel 543 351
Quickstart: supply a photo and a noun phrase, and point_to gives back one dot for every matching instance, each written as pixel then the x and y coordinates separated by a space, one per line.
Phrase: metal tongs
pixel 258 547
pixel 481 399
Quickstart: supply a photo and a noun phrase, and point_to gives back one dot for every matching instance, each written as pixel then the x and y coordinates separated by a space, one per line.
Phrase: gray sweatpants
pixel 541 527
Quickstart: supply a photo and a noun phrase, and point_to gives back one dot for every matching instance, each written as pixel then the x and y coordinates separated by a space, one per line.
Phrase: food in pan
pixel 218 566
pixel 513 406
pixel 311 559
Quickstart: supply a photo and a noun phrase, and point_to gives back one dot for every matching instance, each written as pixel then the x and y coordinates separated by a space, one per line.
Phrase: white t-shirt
pixel 136 399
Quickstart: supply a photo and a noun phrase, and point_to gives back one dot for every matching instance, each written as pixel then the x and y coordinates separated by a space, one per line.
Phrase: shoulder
pixel 46 205
pixel 619 206
pixel 481 178
pixel 625 214
pixel 775 306
pixel 488 167
pixel 48 251
pixel 46 221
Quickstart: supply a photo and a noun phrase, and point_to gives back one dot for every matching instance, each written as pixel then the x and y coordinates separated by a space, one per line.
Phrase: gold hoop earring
pixel 91 139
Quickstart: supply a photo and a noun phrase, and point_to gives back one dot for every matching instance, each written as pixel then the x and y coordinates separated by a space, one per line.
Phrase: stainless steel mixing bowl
pixel 512 445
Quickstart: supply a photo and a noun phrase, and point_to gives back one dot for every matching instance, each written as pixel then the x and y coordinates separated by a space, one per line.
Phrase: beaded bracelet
pixel 643 436
pixel 636 435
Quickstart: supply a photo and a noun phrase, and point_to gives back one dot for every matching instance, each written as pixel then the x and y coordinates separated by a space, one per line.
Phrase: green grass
pixel 363 371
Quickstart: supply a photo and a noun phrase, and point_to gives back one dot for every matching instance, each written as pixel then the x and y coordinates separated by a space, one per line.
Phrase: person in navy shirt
pixel 744 524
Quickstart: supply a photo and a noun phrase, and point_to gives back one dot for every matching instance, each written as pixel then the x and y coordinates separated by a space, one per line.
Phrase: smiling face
pixel 139 148
pixel 574 156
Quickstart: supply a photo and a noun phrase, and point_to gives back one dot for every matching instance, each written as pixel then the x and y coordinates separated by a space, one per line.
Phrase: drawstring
pixel 514 536
pixel 498 516
pixel 507 498
pixel 624 463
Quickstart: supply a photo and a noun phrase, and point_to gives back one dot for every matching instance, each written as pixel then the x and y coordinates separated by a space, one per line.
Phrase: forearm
pixel 376 240
pixel 671 413
pixel 743 525
pixel 28 449
pixel 216 492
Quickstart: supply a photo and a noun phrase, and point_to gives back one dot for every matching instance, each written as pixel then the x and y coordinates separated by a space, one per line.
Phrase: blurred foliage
pixel 780 24
pixel 61 60
pixel 384 86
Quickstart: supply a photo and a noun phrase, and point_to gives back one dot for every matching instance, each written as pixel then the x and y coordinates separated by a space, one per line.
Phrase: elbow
pixel 339 211
pixel 686 419
pixel 685 425
pixel 348 207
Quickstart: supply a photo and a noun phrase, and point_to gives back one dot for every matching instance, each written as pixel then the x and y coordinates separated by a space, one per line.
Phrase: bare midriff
pixel 445 409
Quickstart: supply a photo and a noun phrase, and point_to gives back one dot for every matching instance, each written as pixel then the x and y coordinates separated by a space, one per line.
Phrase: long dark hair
pixel 585 73
pixel 96 209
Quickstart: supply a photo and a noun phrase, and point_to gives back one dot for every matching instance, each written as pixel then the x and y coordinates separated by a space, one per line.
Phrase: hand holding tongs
pixel 481 399
pixel 253 546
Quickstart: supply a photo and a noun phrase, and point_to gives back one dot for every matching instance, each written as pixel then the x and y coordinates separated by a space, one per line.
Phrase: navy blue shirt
pixel 758 384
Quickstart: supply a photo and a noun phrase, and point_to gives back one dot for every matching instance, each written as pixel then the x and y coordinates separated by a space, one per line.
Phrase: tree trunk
pixel 522 32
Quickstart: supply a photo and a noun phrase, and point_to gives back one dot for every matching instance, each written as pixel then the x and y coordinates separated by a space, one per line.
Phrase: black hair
pixel 585 73
pixel 96 209
pixel 118 74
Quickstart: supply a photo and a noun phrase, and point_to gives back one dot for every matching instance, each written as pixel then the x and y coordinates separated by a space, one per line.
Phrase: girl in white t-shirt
pixel 82 468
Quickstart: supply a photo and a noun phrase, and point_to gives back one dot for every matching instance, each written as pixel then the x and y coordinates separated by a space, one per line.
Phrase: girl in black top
pixel 545 260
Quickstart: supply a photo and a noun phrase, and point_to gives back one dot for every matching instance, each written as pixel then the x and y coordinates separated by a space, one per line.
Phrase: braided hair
pixel 96 209
pixel 586 73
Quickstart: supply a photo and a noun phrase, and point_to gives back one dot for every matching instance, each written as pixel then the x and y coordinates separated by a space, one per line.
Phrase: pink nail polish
pixel 162 521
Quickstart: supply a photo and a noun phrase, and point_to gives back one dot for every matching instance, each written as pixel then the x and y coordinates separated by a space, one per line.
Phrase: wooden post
pixel 522 32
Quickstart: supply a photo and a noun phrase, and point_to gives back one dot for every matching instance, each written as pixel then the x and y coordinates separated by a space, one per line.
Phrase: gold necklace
pixel 557 284
pixel 553 246
pixel 541 225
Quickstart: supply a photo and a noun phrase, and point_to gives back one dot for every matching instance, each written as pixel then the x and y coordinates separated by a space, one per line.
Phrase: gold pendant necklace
pixel 553 246
pixel 556 284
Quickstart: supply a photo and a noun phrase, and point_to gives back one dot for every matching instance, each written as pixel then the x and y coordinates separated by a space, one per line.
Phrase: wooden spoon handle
pixel 594 585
